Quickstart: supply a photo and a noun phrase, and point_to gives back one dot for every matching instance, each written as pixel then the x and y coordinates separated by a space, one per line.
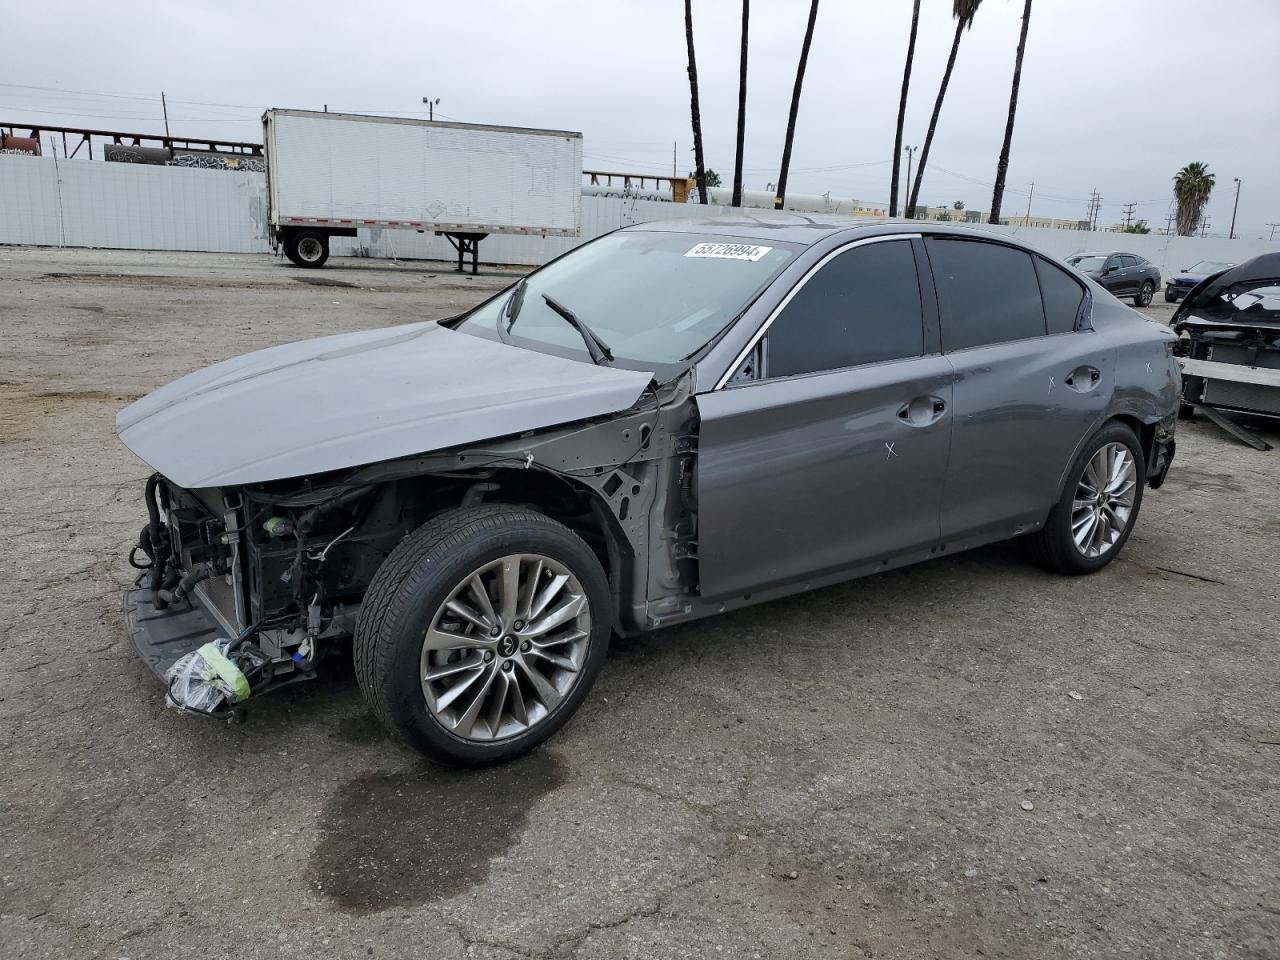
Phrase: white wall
pixel 86 203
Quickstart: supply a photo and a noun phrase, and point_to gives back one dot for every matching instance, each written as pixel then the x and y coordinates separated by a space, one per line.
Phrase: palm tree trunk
pixel 902 110
pixel 781 196
pixel 700 173
pixel 742 108
pixel 1002 165
pixel 933 121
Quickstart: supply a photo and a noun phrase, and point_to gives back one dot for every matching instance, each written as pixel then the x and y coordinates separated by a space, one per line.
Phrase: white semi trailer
pixel 331 174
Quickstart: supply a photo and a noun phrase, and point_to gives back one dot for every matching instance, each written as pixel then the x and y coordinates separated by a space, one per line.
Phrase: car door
pixel 829 448
pixel 1112 278
pixel 1130 275
pixel 1031 381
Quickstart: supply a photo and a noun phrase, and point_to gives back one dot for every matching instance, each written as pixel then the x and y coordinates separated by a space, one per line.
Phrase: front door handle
pixel 922 411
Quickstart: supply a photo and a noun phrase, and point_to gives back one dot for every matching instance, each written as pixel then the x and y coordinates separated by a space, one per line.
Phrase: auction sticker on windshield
pixel 729 251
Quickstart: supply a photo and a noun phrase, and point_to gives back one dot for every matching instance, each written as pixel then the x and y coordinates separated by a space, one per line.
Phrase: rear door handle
pixel 922 411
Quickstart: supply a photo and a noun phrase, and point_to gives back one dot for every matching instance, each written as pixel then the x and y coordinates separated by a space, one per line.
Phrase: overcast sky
pixel 1116 94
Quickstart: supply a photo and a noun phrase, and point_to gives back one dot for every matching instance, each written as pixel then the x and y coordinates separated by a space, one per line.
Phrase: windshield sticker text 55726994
pixel 729 251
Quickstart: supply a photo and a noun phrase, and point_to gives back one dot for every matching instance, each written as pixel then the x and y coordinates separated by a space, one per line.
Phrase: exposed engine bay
pixel 274 573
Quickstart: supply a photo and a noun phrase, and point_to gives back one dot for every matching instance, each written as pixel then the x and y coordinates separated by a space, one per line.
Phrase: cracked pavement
pixel 840 774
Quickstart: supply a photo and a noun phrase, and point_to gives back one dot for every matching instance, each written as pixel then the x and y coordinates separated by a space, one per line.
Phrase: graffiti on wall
pixel 218 161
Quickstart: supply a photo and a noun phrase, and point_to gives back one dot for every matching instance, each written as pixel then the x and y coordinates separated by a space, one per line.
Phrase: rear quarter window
pixel 1063 297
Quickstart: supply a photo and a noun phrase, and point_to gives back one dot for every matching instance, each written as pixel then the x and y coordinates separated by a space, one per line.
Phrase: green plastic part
pixel 220 667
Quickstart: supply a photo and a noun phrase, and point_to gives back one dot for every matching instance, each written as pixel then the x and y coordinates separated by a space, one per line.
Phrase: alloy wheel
pixel 1103 503
pixel 505 648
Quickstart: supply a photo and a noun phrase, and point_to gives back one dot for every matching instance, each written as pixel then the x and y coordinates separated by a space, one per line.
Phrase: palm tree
pixel 902 110
pixel 1191 188
pixel 795 108
pixel 963 11
pixel 699 173
pixel 742 108
pixel 1002 165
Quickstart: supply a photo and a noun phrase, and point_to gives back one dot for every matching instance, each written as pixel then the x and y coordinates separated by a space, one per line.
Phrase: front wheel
pixel 1099 505
pixel 1145 293
pixel 1169 297
pixel 482 633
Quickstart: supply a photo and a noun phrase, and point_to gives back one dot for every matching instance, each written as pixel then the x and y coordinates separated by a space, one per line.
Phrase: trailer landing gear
pixel 465 243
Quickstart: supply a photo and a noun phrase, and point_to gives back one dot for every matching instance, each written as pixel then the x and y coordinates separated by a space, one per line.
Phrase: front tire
pixel 1099 505
pixel 1145 294
pixel 1169 297
pixel 482 633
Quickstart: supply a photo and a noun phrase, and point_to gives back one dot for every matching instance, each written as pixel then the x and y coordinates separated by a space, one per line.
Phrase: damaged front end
pixel 273 574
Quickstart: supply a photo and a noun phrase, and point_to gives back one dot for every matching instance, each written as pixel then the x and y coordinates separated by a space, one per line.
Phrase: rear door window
pixel 987 293
pixel 862 306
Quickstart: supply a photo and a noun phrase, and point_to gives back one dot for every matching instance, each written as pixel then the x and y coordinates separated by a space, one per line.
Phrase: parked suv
pixel 1122 274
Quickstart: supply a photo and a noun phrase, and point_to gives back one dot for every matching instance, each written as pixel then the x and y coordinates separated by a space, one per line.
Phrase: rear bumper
pixel 159 636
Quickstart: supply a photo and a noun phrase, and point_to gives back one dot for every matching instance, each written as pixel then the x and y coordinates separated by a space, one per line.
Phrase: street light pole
pixel 909 151
pixel 1231 235
pixel 431 107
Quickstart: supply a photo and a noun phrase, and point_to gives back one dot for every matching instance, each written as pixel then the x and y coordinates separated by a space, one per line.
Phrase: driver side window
pixel 862 306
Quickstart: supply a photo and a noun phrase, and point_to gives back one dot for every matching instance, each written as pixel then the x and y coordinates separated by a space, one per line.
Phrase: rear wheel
pixel 1099 505
pixel 307 248
pixel 1145 293
pixel 482 633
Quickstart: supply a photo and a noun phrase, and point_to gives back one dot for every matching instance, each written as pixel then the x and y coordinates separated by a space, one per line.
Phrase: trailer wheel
pixel 307 248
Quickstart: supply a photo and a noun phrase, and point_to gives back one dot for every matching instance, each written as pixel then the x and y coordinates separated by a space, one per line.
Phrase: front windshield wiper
pixel 599 350
pixel 511 309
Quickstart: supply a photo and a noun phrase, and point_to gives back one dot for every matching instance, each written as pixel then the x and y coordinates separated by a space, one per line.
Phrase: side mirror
pixel 1110 269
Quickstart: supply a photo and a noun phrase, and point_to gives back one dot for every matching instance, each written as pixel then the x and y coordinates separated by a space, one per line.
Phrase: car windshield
pixel 655 298
pixel 1087 262
pixel 1207 267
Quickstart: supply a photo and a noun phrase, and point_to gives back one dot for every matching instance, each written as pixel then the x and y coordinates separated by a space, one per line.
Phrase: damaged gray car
pixel 671 421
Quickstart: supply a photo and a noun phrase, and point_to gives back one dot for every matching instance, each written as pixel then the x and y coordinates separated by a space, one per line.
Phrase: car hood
pixel 1188 279
pixel 358 398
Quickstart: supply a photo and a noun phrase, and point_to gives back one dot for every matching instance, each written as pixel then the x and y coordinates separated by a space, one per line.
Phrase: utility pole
pixel 1095 204
pixel 1168 222
pixel 165 107
pixel 1030 193
pixel 1128 214
pixel 673 158
pixel 431 107
pixel 910 151
pixel 1273 230
pixel 1204 227
pixel 1231 235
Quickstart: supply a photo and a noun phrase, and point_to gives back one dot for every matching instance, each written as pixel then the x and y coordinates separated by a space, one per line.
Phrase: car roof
pixel 804 229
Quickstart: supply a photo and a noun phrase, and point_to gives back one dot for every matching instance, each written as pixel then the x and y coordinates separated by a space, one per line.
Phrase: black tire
pixel 1053 546
pixel 410 587
pixel 1169 297
pixel 307 248
pixel 1145 294
pixel 1186 411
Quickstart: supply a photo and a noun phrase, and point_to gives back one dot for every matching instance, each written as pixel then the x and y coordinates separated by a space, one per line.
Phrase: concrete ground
pixel 967 758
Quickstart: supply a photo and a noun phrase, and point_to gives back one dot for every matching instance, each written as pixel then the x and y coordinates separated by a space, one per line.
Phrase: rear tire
pixel 307 248
pixel 496 708
pixel 1145 294
pixel 1056 545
